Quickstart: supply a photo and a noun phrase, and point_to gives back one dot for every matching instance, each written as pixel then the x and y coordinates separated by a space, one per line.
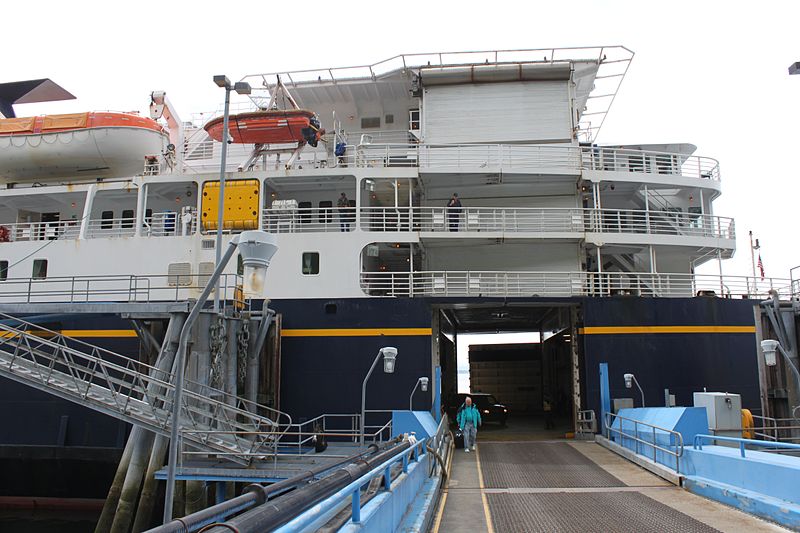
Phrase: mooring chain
pixel 243 339
pixel 218 344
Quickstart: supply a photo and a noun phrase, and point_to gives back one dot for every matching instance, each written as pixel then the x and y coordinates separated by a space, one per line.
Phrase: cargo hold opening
pixel 522 356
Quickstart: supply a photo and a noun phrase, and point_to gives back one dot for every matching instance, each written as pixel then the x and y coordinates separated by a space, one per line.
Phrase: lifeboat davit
pixel 277 126
pixel 99 144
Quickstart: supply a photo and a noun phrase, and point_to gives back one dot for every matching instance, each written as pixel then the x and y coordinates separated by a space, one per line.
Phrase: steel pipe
pixel 254 495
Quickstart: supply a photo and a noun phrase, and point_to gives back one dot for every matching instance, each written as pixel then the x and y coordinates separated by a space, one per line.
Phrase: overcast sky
pixel 710 73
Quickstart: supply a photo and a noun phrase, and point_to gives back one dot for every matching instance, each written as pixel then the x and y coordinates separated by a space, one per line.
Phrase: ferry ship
pixel 413 200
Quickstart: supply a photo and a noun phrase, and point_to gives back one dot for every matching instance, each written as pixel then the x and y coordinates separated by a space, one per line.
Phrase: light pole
pixel 256 248
pixel 629 380
pixel 389 355
pixel 241 87
pixel 422 383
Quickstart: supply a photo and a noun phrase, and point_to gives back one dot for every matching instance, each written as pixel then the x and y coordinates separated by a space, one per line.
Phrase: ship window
pixel 39 269
pixel 330 308
pixel 127 218
pixel 310 263
pixel 389 119
pixel 413 119
pixel 3 270
pixel 107 219
pixel 239 265
pixel 370 122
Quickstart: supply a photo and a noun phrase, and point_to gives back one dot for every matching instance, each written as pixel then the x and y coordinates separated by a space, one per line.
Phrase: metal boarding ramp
pixel 211 419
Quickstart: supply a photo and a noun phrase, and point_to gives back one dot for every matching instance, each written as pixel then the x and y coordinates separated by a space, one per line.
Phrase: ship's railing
pixel 468 157
pixel 563 284
pixel 169 224
pixel 628 160
pixel 308 220
pixel 39 231
pixel 111 227
pixel 117 288
pixel 541 220
pixel 490 158
pixel 438 59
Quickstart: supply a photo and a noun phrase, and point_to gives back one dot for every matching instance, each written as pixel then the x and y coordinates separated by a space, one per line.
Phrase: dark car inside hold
pixel 491 410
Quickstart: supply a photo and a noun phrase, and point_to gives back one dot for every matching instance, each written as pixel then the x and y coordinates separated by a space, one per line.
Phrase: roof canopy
pixel 29 92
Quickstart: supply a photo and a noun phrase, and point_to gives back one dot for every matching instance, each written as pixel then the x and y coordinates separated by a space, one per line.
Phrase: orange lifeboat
pixel 96 144
pixel 277 126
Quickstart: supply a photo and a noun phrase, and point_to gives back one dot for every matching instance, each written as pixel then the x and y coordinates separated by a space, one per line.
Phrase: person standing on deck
pixel 469 419
pixel 453 212
pixel 343 206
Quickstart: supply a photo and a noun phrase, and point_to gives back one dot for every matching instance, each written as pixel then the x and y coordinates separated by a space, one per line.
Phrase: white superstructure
pixel 545 210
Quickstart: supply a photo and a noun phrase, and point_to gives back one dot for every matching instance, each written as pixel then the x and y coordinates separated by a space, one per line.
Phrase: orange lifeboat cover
pixel 263 127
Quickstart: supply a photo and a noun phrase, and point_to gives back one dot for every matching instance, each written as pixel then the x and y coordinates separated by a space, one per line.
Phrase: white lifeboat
pixel 99 144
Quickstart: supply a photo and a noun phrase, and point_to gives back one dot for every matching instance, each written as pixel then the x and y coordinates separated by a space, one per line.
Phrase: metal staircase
pixel 211 419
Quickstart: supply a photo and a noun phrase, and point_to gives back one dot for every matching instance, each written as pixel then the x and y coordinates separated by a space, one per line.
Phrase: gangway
pixel 118 386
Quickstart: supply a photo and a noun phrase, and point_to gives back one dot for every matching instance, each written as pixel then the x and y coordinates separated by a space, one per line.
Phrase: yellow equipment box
pixel 241 205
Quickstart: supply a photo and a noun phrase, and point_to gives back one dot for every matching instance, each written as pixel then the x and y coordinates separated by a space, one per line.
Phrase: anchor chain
pixel 218 345
pixel 243 340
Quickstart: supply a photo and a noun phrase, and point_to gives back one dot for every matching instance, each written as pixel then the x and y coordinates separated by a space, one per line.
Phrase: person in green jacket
pixel 469 419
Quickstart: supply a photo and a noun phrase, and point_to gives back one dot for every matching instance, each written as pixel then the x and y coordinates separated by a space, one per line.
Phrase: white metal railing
pixel 628 160
pixel 111 227
pixel 116 288
pixel 645 439
pixel 305 220
pixel 39 231
pixel 491 158
pixel 542 220
pixel 562 284
pixel 158 225
pixel 586 424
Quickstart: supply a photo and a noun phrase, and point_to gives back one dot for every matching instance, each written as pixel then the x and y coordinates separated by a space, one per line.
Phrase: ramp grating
pixel 540 464
pixel 620 512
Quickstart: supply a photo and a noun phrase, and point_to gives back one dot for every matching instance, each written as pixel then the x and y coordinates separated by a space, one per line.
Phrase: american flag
pixel 760 266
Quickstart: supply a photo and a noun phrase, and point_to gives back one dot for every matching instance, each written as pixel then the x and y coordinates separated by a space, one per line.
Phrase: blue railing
pixel 353 490
pixel 698 443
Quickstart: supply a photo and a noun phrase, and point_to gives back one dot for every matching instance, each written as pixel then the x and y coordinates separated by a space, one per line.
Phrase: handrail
pixel 560 283
pixel 128 389
pixel 495 157
pixel 415 452
pixel 698 443
pixel 677 452
pixel 503 219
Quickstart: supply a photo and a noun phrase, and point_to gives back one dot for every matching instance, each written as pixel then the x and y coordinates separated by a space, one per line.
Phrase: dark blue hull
pixel 327 347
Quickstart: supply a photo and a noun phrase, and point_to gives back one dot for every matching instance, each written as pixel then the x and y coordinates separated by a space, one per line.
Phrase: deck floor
pixel 572 486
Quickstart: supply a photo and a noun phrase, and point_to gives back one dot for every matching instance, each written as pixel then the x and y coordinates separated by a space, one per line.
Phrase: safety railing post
pixel 356 512
pixel 387 478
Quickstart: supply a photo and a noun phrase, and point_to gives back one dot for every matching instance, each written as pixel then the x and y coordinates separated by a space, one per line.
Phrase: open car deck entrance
pixel 536 380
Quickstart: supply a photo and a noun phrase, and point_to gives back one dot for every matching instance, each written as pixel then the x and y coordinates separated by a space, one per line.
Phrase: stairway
pixel 211 419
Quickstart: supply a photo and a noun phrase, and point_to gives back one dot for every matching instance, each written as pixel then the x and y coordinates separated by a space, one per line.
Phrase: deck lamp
pixel 794 68
pixel 422 383
pixel 241 87
pixel 769 347
pixel 630 379
pixel 256 248
pixel 389 355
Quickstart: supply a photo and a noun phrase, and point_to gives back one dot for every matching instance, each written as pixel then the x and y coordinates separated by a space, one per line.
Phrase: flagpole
pixel 753 261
